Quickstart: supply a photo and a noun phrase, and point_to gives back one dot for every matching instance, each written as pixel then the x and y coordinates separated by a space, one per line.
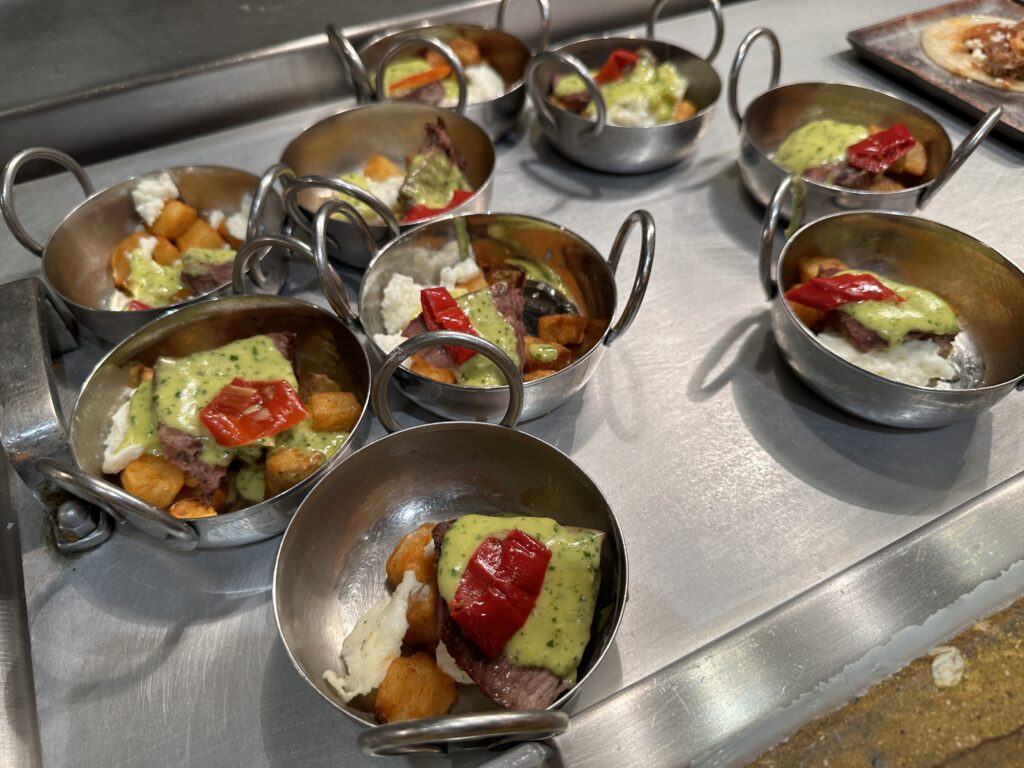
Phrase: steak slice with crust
pixel 184 451
pixel 511 686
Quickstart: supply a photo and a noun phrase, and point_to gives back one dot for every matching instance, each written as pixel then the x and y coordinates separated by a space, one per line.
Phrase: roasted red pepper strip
pixel 826 293
pixel 618 63
pixel 442 313
pixel 880 150
pixel 499 588
pixel 244 411
pixel 135 305
pixel 420 79
pixel 419 211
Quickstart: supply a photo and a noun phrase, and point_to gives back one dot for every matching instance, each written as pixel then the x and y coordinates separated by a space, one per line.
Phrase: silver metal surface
pixel 714 6
pixel 458 732
pixel 735 486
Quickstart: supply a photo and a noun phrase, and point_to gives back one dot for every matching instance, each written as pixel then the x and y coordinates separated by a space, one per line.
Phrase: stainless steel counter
pixel 735 487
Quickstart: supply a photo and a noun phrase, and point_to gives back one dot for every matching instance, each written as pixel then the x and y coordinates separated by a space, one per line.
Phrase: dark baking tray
pixel 895 46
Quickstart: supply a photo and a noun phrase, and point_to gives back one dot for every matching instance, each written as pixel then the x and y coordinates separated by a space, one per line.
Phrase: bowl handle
pixel 448 733
pixel 7 188
pixel 768 229
pixel 715 6
pixel 544 107
pixel 643 269
pixel 281 174
pixel 545 22
pixel 963 151
pixel 737 65
pixel 511 372
pixel 349 56
pixel 430 42
pixel 291 200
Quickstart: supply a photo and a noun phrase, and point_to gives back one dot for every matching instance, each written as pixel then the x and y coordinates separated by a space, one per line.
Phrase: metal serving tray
pixel 736 488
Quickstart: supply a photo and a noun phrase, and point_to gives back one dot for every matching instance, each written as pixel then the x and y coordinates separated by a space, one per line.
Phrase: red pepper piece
pixel 499 588
pixel 244 411
pixel 826 293
pixel 619 62
pixel 134 305
pixel 880 150
pixel 442 313
pixel 419 211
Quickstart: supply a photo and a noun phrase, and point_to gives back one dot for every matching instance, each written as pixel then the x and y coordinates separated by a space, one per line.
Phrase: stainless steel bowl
pixel 624 149
pixel 505 52
pixel 984 288
pixel 540 241
pixel 190 329
pixel 330 567
pixel 780 110
pixel 76 258
pixel 345 141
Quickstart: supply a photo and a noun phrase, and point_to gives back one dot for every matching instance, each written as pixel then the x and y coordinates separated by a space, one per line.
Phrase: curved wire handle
pixel 291 201
pixel 7 189
pixel 438 734
pixel 769 227
pixel 643 269
pixel 513 376
pixel 353 62
pixel 430 42
pixel 279 173
pixel 544 106
pixel 324 213
pixel 737 65
pixel 963 151
pixel 715 6
pixel 545 22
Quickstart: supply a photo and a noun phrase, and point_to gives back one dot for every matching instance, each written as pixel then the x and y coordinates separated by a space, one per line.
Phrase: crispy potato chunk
pixel 165 251
pixel 138 373
pixel 562 329
pixel 380 168
pixel 811 266
pixel 414 687
pixel 119 263
pixel 153 479
pixel 190 509
pixel 409 556
pixel 174 220
pixel 812 318
pixel 563 356
pixel 422 616
pixel 286 467
pixel 685 110
pixel 915 162
pixel 334 411
pixel 477 283
pixel 418 365
pixel 200 235
pixel 882 183
pixel 466 50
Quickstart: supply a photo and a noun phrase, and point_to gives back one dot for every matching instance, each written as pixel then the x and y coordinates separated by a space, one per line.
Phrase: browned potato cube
pixel 138 373
pixel 380 168
pixel 534 375
pixel 414 687
pixel 119 263
pixel 190 509
pixel 286 467
pixel 153 479
pixel 812 318
pixel 562 329
pixel 200 235
pixel 165 252
pixel 812 266
pixel 313 383
pixel 224 232
pixel 408 555
pixel 174 220
pixel 545 356
pixel 422 616
pixel 418 365
pixel 334 411
pixel 467 51
pixel 685 110
pixel 915 162
pixel 882 183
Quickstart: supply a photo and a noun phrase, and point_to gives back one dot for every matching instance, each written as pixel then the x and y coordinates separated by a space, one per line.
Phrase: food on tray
pixel 225 428
pixel 429 78
pixel 854 156
pixel 429 182
pixel 896 331
pixel 637 91
pixel 490 293
pixel 510 605
pixel 986 49
pixel 180 253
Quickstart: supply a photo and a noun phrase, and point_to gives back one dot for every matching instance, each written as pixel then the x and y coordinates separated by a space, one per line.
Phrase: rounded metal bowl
pixel 76 258
pixel 330 567
pixel 191 329
pixel 984 288
pixel 343 142
pixel 615 148
pixel 781 109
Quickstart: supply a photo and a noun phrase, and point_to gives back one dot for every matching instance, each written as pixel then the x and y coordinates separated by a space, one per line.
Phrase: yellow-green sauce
pixel 478 371
pixel 150 282
pixel 141 422
pixel 197 261
pixel 432 178
pixel 250 482
pixel 542 353
pixel 399 70
pixel 558 629
pixel 817 143
pixel 920 311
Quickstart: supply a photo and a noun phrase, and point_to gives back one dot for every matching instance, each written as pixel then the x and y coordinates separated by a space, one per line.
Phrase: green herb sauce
pixel 150 282
pixel 921 311
pixel 817 143
pixel 478 371
pixel 141 422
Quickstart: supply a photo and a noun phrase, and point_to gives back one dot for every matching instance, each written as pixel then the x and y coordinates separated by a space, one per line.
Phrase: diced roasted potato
pixel 685 110
pixel 882 183
pixel 422 616
pixel 165 251
pixel 218 501
pixel 286 467
pixel 312 383
pixel 174 220
pixel 200 235
pixel 540 374
pixel 334 411
pixel 119 263
pixel 812 266
pixel 465 49
pixel 477 283
pixel 153 479
pixel 544 355
pixel 915 162
pixel 809 316
pixel 138 373
pixel 380 168
pixel 562 329
pixel 189 509
pixel 418 365
pixel 225 232
pixel 414 687
pixel 409 555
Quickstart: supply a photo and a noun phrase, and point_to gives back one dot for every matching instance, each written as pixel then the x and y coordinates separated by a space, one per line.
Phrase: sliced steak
pixel 431 93
pixel 509 302
pixel 511 686
pixel 285 343
pixel 864 339
pixel 435 356
pixel 184 451
pixel 438 138
pixel 944 341
pixel 212 277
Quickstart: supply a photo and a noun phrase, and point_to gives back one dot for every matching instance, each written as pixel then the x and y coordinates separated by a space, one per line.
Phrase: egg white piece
pixel 447 664
pixel 916 362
